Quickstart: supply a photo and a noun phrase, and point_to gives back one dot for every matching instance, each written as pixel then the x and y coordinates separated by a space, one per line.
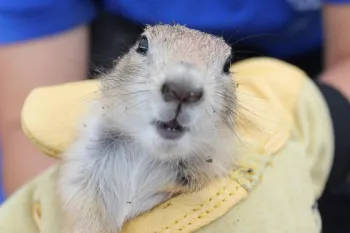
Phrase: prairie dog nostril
pixel 195 96
pixel 181 92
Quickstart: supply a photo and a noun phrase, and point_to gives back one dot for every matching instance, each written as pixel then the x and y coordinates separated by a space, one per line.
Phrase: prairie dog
pixel 164 125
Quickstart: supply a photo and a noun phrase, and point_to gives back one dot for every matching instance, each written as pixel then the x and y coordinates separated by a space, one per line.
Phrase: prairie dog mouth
pixel 170 130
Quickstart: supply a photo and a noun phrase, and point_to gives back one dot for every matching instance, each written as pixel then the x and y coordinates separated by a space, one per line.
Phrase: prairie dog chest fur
pixel 164 125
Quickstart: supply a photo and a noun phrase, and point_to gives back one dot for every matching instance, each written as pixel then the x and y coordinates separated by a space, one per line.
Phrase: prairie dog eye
pixel 227 65
pixel 143 45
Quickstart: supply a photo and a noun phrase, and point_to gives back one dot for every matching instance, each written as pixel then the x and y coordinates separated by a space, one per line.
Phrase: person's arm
pixel 334 84
pixel 41 43
pixel 337 46
pixel 48 61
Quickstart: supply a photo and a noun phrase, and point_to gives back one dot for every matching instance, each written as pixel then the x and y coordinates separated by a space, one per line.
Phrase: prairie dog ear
pixel 51 114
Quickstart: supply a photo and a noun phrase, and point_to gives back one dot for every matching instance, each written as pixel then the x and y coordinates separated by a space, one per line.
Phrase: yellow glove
pixel 283 125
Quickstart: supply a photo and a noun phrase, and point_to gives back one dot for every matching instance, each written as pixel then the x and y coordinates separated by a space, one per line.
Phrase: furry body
pixel 123 164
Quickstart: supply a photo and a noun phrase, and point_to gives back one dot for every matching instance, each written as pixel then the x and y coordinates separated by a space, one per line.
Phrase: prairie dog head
pixel 173 92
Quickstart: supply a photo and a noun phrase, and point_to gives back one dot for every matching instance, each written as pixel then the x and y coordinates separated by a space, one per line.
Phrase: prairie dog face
pixel 173 92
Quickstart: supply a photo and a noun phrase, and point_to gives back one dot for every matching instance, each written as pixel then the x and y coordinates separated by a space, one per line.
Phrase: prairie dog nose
pixel 183 83
pixel 181 92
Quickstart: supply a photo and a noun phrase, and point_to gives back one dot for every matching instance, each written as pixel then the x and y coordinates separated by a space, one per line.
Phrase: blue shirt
pixel 281 28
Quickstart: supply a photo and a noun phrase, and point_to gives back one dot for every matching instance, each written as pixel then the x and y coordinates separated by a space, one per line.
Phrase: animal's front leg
pixel 84 213
pixel 84 210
